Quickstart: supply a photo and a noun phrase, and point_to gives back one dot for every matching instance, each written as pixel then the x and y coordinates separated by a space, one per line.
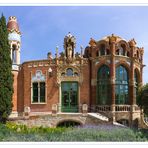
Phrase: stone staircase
pixel 99 116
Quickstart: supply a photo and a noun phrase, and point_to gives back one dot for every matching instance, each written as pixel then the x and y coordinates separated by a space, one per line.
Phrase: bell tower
pixel 14 37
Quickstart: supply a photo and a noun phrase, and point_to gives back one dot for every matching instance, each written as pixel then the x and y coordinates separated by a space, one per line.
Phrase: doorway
pixel 69 96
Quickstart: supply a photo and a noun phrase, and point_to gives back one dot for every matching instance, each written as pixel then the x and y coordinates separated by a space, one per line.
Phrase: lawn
pixel 103 133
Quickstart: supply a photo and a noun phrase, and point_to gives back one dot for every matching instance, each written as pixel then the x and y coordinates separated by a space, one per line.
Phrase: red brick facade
pixel 112 51
pixel 88 67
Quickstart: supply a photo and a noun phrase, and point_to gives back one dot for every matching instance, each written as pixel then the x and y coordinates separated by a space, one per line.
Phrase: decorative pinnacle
pixel 132 42
pixel 92 42
pixel 81 50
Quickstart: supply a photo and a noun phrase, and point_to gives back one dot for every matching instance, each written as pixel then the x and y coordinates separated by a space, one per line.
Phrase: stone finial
pixel 92 42
pixel 112 38
pixel 57 49
pixel 132 43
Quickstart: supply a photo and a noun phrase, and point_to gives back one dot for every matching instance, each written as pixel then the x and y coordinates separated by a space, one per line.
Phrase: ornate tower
pixel 14 38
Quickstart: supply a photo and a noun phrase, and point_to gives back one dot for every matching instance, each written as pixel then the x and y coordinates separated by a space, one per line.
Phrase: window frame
pixel 103 85
pixel 122 86
pixel 39 94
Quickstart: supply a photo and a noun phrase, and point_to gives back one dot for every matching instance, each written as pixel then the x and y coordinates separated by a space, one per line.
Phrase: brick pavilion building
pixel 103 79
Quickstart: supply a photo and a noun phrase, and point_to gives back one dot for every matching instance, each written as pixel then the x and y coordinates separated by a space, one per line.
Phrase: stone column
pixel 17 56
pixel 112 74
pixel 18 60
pixel 142 66
pixel 132 97
pixel 132 92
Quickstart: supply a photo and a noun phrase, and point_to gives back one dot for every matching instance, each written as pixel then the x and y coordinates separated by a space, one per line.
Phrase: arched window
pixel 103 85
pixel 38 87
pixel 121 50
pixel 69 72
pixel 14 54
pixel 135 82
pixel 121 91
pixel 102 50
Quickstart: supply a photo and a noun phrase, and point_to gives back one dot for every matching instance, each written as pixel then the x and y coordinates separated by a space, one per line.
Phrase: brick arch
pixel 124 43
pixel 138 74
pixel 123 120
pixel 103 42
pixel 69 119
pixel 99 65
pixel 64 68
pixel 124 64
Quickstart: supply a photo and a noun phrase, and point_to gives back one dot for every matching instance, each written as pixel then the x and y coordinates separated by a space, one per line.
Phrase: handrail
pixel 103 108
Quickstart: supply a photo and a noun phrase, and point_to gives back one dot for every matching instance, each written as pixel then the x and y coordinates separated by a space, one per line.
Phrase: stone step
pixel 99 116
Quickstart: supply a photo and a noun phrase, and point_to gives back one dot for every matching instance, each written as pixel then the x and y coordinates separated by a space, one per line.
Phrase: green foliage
pixel 14 132
pixel 6 78
pixel 142 98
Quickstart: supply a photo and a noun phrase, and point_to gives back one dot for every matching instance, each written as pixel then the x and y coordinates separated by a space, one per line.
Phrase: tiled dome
pixel 12 24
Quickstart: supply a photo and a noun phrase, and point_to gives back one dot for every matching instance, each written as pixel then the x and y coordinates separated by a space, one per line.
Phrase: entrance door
pixel 69 94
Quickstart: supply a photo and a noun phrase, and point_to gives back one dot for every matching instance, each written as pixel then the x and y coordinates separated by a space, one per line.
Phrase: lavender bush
pixel 89 133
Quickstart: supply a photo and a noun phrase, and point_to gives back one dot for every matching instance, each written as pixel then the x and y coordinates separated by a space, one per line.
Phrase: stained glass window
pixel 121 87
pixel 135 82
pixel 69 72
pixel 103 85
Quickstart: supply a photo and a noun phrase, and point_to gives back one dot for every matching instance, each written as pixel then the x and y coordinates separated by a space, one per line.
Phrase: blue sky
pixel 43 28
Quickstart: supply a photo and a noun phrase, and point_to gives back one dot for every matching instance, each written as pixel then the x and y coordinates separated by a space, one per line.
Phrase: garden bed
pixel 101 133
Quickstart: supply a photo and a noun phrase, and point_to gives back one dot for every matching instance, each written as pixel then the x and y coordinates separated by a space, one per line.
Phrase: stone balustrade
pixel 122 108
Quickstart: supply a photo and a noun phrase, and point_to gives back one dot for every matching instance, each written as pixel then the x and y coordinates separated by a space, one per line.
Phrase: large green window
pixel 103 85
pixel 121 91
pixel 38 92
pixel 135 82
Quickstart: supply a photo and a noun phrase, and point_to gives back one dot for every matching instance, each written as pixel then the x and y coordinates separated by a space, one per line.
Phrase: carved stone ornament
pixel 132 42
pixel 112 38
pixel 62 76
pixel 38 76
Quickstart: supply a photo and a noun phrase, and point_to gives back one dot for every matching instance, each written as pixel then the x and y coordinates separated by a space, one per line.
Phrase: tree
pixel 142 98
pixel 6 77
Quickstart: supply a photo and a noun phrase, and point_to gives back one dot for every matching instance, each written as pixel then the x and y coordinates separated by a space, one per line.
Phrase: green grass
pixel 13 132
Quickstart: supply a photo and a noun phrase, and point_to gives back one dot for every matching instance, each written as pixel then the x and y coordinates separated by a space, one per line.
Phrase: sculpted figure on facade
pixel 69 45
